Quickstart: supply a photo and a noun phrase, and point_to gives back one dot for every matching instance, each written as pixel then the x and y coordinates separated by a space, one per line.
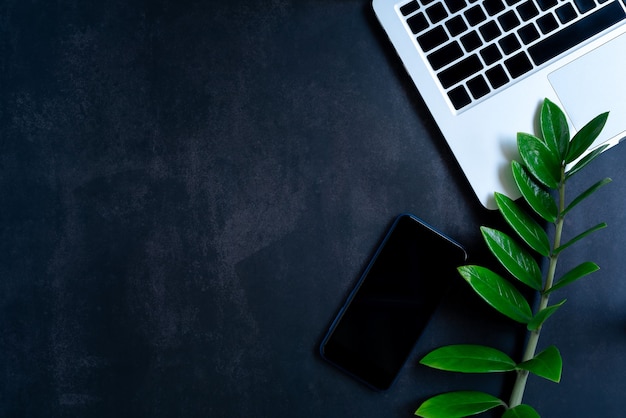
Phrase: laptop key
pixel 409 8
pixel 490 54
pixel 455 5
pixel 490 31
pixel 527 10
pixel 446 55
pixel 508 21
pixel 475 15
pixel 456 26
pixel 432 39
pixel 509 44
pixel 478 87
pixel 528 33
pixel 497 76
pixel 518 65
pixel 460 71
pixel 417 23
pixel 493 7
pixel 577 32
pixel 471 41
pixel 547 23
pixel 436 13
pixel 584 5
pixel 459 97
pixel 546 4
pixel 566 13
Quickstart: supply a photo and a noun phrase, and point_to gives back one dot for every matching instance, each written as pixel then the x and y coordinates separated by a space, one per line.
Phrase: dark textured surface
pixel 189 190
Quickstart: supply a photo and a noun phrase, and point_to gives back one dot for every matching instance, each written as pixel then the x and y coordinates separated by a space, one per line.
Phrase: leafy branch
pixel 547 163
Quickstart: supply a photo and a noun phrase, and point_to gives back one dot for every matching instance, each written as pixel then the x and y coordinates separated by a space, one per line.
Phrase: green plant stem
pixel 519 387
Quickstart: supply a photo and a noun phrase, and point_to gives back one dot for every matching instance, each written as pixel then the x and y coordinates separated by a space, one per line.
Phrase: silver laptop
pixel 483 68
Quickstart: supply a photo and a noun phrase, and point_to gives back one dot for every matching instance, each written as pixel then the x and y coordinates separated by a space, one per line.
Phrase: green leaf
pixel 521 411
pixel 580 236
pixel 539 160
pixel 537 197
pixel 585 137
pixel 466 358
pixel 586 160
pixel 554 129
pixel 497 292
pixel 586 194
pixel 543 315
pixel 574 274
pixel 525 226
pixel 458 404
pixel 547 364
pixel 513 257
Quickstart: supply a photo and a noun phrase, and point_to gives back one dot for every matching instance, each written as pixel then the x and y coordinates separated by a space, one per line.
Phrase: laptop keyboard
pixel 477 47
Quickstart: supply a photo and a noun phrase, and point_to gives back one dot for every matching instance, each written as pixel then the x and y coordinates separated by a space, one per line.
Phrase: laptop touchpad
pixel 593 84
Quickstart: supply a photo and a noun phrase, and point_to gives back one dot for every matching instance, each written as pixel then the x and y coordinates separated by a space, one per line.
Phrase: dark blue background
pixel 189 190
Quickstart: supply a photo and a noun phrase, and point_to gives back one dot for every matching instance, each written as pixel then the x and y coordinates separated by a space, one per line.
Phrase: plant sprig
pixel 547 163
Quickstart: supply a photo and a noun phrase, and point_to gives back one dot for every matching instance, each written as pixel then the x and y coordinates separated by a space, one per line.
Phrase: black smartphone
pixel 378 326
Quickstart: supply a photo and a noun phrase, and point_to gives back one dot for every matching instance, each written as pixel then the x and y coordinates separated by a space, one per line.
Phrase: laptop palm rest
pixel 594 83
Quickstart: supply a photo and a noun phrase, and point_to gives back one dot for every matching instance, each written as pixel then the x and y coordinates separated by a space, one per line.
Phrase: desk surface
pixel 189 191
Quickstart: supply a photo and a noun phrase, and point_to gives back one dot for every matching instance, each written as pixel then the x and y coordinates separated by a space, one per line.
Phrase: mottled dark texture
pixel 189 190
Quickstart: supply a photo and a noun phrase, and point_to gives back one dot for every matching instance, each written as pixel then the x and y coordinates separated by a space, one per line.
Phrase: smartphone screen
pixel 378 326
